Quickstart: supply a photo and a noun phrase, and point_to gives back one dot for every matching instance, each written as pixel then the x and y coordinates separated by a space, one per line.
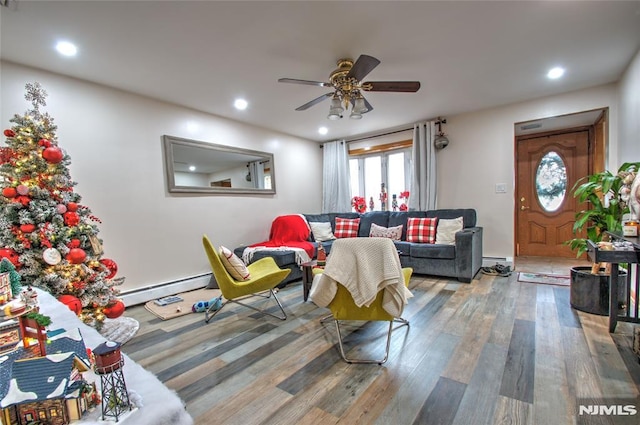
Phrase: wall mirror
pixel 199 167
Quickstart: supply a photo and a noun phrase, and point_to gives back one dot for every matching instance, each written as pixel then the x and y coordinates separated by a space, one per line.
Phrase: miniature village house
pixel 48 389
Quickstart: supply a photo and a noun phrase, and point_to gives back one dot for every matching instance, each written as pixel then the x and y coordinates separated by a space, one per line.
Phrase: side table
pixel 307 277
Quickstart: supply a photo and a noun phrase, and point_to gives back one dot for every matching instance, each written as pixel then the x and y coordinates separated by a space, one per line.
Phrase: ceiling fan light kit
pixel 346 81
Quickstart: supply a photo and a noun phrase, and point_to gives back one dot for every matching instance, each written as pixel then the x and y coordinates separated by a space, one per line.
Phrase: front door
pixel 547 169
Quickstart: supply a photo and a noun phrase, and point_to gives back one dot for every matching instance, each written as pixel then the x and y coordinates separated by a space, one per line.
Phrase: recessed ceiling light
pixel 556 72
pixel 67 49
pixel 323 130
pixel 240 104
pixel 192 168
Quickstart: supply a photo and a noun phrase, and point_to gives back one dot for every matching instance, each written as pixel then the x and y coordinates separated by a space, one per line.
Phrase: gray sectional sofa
pixel 460 261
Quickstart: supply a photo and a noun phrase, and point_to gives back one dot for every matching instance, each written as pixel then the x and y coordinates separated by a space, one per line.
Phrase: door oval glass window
pixel 551 181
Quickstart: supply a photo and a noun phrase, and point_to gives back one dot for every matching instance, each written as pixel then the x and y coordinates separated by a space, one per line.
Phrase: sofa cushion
pixel 321 230
pixel 420 250
pixel 468 215
pixel 317 218
pixel 404 248
pixel 347 227
pixel 394 233
pixel 397 218
pixel 333 216
pixel 381 218
pixel 422 230
pixel 447 229
pixel 282 258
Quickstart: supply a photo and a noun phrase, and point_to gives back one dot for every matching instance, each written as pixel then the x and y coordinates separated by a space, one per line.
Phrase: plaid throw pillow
pixel 422 230
pixel 346 227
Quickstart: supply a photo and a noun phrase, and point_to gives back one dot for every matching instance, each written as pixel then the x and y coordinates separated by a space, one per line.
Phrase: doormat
pixel 544 278
pixel 180 308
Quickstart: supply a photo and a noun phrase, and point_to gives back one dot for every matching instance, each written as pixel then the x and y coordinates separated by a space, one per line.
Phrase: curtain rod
pixel 387 132
pixel 378 135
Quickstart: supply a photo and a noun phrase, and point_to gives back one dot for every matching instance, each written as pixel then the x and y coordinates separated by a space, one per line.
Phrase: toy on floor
pixel 202 306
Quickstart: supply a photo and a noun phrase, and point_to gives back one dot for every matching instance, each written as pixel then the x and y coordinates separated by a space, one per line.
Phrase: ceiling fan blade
pixel 306 82
pixel 363 66
pixel 314 101
pixel 394 86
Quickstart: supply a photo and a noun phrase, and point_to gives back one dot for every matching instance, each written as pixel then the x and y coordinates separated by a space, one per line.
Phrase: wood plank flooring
pixel 491 352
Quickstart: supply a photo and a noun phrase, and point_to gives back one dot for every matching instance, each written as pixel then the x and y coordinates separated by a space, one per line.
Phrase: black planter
pixel 590 292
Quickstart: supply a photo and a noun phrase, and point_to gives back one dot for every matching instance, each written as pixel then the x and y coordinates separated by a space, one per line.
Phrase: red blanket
pixel 289 230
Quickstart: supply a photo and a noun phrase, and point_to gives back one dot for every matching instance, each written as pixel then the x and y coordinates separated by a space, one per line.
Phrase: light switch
pixel 501 188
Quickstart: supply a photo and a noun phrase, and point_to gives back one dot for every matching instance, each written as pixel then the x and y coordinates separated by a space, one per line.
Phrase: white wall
pixel 481 154
pixel 114 140
pixel 629 123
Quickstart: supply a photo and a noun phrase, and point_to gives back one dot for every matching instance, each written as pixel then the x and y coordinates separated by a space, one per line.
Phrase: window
pixel 369 172
pixel 551 181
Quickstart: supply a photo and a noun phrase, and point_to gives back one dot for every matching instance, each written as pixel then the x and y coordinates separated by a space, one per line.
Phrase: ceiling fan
pixel 346 82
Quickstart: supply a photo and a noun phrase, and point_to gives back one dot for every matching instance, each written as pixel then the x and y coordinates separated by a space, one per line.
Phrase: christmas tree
pixel 46 233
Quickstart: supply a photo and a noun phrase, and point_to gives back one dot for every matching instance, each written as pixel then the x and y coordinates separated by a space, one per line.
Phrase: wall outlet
pixel 501 188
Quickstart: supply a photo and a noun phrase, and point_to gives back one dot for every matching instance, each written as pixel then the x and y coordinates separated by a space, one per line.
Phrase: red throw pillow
pixel 422 230
pixel 346 227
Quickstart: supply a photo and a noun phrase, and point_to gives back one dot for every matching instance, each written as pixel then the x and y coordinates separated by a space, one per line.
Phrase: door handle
pixel 522 208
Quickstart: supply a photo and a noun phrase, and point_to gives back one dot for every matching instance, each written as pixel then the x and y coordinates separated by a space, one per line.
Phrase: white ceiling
pixel 467 55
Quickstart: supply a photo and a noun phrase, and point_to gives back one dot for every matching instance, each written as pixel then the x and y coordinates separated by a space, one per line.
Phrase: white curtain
pixel 336 184
pixel 422 192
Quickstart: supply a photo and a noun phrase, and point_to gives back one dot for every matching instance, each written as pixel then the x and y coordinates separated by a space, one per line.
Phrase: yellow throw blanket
pixel 364 266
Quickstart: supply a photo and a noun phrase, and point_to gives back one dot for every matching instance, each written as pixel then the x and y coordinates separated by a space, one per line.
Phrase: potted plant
pixel 604 193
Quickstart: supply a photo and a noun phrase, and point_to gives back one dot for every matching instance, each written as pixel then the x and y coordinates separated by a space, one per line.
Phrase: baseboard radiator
pixel 492 261
pixel 153 292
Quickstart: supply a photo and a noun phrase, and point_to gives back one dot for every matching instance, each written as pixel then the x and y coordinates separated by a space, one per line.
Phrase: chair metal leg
pixel 369 361
pixel 208 311
pixel 271 293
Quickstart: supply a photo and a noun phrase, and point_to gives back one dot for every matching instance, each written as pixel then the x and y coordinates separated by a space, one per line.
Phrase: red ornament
pixel 111 266
pixel 28 228
pixel 76 256
pixel 44 142
pixel 71 218
pixel 72 302
pixel 53 154
pixel 24 200
pixel 9 192
pixel 9 133
pixel 114 310
pixel 74 243
pixel 10 255
pixel 72 206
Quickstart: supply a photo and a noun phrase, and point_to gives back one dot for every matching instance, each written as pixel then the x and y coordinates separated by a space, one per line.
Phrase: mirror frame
pixel 170 141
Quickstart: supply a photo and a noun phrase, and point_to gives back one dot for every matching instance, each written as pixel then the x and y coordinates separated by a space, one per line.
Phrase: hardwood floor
pixel 496 351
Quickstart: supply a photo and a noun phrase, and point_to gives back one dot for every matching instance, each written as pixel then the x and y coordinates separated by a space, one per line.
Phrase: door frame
pixel 598 135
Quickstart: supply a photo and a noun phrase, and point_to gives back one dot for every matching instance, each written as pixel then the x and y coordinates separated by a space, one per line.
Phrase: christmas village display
pixel 49 377
pixel 45 232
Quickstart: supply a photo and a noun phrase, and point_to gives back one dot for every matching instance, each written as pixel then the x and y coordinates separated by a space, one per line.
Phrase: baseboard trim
pixel 152 292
